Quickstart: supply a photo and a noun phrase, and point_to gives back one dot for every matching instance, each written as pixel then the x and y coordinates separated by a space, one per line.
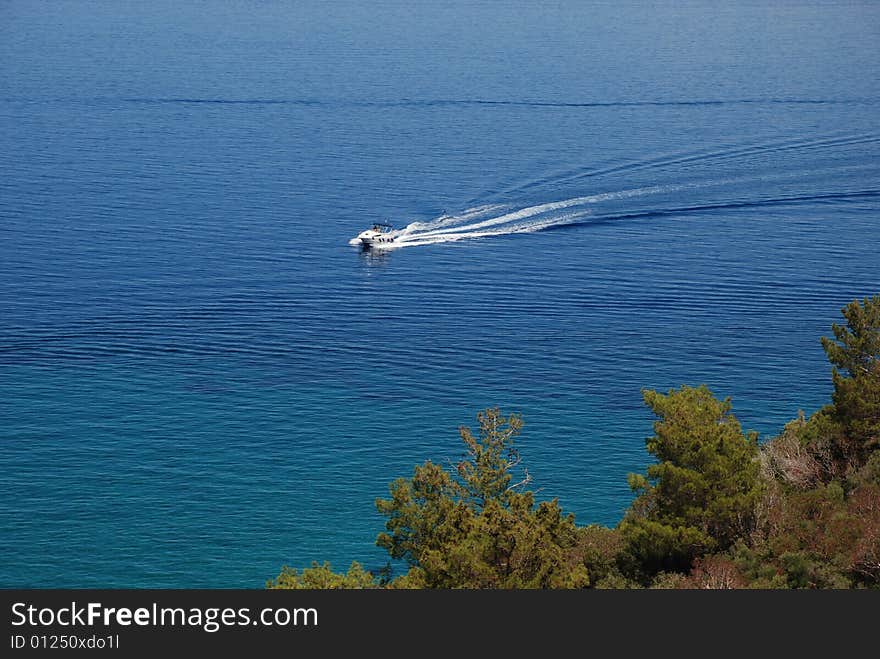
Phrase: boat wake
pixel 496 220
pixel 788 187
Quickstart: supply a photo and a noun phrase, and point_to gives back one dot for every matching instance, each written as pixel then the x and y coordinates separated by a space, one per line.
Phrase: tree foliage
pixel 474 528
pixel 701 494
pixel 855 355
pixel 321 576
pixel 819 518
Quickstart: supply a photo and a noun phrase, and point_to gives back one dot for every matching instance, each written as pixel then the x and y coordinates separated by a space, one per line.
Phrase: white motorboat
pixel 378 234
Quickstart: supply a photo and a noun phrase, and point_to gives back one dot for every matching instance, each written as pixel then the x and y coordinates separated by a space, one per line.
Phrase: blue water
pixel 201 380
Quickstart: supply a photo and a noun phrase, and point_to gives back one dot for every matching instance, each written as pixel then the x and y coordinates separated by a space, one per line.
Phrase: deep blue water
pixel 201 380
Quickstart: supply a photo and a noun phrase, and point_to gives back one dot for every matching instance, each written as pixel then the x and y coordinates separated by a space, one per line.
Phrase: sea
pixel 202 380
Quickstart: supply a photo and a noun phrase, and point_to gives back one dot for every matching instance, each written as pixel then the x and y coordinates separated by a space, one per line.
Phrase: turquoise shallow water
pixel 201 380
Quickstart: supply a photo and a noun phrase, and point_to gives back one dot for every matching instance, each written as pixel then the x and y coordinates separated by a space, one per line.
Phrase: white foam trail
pixel 470 223
pixel 449 228
pixel 542 209
pixel 445 220
pixel 521 214
pixel 467 233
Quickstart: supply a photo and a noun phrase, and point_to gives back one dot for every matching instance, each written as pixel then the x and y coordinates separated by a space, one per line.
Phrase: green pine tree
pixel 855 355
pixel 701 495
pixel 475 528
